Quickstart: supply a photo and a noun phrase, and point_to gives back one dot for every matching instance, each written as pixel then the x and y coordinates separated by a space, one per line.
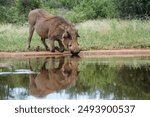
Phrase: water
pixel 75 78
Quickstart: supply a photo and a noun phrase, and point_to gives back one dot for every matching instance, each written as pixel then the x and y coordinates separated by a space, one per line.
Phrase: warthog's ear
pixel 66 34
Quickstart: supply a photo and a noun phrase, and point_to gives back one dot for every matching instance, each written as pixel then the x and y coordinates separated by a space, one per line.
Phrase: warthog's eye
pixel 66 35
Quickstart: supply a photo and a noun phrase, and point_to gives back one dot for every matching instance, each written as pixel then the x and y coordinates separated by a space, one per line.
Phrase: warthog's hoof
pixel 37 48
pixel 60 49
pixel 47 49
pixel 28 47
pixel 53 50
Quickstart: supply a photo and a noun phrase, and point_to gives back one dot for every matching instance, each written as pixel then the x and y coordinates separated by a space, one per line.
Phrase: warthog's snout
pixel 75 50
pixel 74 47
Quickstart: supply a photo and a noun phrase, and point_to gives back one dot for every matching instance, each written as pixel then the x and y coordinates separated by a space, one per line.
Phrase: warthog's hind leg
pixel 51 42
pixel 61 49
pixel 31 30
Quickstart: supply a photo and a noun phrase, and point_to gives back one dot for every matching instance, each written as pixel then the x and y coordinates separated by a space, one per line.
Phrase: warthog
pixel 54 28
pixel 55 75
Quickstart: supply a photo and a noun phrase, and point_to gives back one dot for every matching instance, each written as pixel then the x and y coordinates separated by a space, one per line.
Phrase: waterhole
pixel 75 78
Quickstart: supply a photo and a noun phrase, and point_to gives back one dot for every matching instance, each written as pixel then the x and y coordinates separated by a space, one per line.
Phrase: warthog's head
pixel 69 40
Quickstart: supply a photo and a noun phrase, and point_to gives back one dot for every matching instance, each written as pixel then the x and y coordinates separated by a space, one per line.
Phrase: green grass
pixel 96 34
pixel 109 34
pixel 14 38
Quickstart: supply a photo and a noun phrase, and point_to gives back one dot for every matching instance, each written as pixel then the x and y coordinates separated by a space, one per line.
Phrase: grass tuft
pixel 109 34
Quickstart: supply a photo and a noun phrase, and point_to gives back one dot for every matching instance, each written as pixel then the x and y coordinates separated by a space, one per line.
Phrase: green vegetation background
pixel 15 11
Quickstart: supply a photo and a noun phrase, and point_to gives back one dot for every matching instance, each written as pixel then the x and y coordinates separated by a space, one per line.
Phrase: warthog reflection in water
pixel 54 76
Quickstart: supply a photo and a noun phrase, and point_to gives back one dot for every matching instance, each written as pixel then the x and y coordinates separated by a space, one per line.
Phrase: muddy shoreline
pixel 89 53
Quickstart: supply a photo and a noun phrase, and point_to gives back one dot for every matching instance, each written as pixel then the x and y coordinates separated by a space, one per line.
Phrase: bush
pixel 12 15
pixel 69 4
pixel 133 8
pixel 24 6
pixel 9 14
pixel 6 2
pixel 11 9
pixel 2 13
pixel 104 8
pixel 52 4
pixel 91 9
pixel 75 10
pixel 81 12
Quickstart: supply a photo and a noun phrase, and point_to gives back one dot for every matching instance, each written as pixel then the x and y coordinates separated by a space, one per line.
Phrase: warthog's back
pixel 37 14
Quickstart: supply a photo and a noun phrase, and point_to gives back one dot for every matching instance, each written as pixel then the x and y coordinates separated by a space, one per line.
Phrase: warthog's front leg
pixel 44 43
pixel 51 45
pixel 61 49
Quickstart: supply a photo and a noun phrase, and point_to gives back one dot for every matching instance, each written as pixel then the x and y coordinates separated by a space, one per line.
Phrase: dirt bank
pixel 90 53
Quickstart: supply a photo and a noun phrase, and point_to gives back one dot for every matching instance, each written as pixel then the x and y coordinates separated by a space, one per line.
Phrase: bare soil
pixel 89 53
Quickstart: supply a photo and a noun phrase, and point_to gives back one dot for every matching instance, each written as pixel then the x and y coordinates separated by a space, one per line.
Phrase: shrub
pixel 52 4
pixel 91 9
pixel 81 12
pixel 24 6
pixel 9 14
pixel 133 8
pixel 69 4
pixel 75 10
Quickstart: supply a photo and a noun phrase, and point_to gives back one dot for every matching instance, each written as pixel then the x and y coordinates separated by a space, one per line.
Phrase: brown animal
pixel 53 78
pixel 54 28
